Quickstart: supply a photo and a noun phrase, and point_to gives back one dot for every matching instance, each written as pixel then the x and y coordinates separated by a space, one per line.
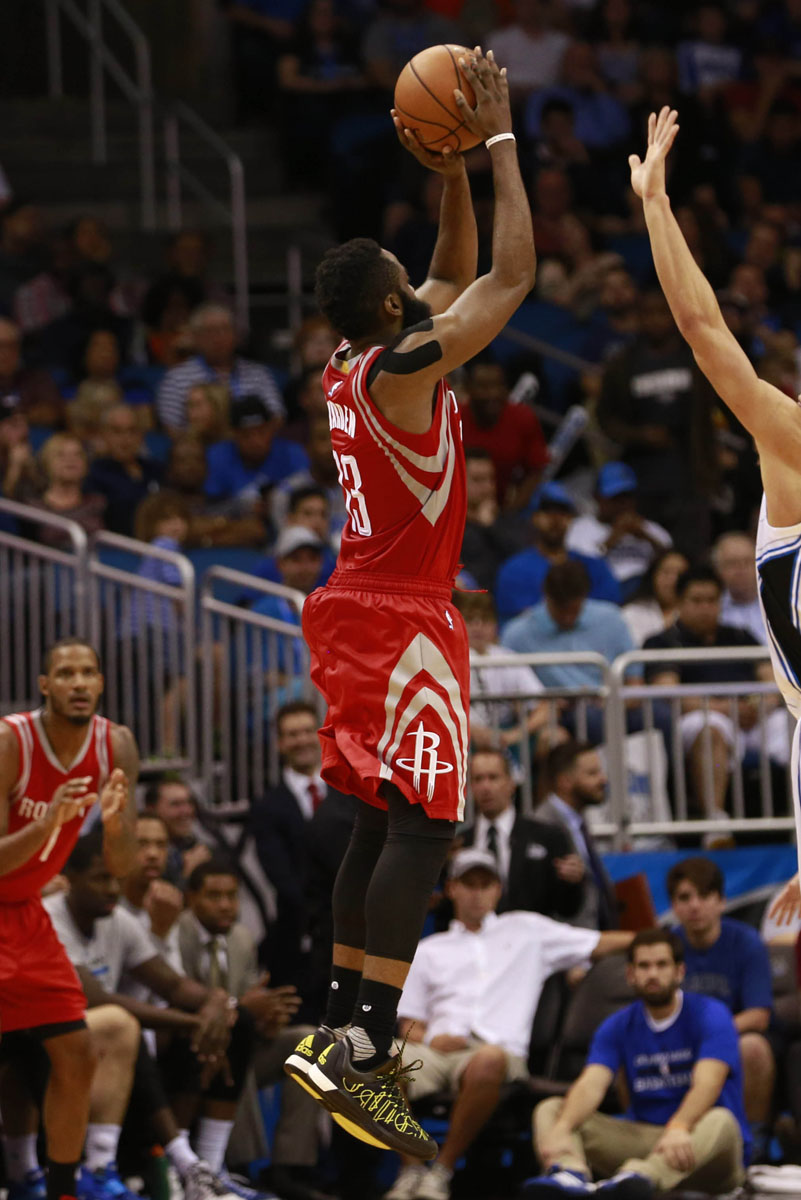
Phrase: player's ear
pixel 630 974
pixel 102 682
pixel 682 971
pixel 42 684
pixel 392 305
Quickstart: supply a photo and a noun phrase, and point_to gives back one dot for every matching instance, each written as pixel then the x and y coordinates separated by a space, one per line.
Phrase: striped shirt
pixel 246 378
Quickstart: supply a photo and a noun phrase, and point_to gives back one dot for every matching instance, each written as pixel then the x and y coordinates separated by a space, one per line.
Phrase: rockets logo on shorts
pixel 426 761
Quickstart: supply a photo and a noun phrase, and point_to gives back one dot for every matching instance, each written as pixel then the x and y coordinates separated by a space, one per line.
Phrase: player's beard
pixel 657 999
pixel 414 310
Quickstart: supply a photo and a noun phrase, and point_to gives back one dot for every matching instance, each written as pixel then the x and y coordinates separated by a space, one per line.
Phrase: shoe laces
pixel 398 1074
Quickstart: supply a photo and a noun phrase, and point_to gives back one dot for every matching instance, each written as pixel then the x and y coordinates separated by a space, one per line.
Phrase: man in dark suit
pixel 280 829
pixel 539 869
pixel 577 781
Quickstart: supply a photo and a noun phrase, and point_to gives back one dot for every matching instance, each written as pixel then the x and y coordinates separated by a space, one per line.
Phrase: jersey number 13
pixel 351 481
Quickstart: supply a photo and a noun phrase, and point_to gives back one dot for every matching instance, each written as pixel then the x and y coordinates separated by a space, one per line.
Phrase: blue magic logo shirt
pixel 735 970
pixel 658 1058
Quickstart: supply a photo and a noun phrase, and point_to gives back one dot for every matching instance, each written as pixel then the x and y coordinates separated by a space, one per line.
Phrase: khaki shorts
pixel 441 1072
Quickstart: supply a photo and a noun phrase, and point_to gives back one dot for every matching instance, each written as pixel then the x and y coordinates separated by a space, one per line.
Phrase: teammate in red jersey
pixel 54 765
pixel 389 651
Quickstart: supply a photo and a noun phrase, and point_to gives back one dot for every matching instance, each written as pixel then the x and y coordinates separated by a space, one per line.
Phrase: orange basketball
pixel 425 103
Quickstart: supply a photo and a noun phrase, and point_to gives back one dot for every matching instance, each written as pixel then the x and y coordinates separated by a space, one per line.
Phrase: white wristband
pixel 500 137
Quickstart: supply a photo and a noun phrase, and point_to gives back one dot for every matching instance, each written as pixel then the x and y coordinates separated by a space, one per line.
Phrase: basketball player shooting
pixel 389 651
pixel 54 764
pixel 770 416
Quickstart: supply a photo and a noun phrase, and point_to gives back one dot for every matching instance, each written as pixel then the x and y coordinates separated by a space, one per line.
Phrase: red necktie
pixel 315 795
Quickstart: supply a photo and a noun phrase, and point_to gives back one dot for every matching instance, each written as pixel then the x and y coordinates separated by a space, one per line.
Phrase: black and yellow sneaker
pixel 370 1105
pixel 305 1054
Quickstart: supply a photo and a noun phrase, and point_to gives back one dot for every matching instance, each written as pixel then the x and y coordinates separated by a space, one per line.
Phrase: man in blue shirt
pixel 243 468
pixel 728 960
pixel 521 578
pixel 684 1125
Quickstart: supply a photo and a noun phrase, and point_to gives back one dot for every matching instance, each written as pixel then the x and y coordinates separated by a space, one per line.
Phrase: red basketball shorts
pixel 38 984
pixel 390 656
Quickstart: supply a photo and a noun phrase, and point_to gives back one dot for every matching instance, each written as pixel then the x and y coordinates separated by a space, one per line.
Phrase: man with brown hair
pixel 728 960
pixel 680 1061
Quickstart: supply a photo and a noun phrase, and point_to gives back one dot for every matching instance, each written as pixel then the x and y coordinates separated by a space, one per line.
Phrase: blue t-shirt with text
pixel 735 969
pixel 658 1063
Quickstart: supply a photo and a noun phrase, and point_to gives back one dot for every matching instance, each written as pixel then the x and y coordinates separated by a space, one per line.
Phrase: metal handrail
pixel 138 90
pixel 251 583
pixel 234 211
pixel 185 593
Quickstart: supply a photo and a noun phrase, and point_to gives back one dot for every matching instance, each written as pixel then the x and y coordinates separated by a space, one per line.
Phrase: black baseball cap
pixel 249 412
pixel 9 405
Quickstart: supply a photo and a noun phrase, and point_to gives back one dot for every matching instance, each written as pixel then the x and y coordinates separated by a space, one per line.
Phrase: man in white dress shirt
pixel 469 1005
pixel 733 557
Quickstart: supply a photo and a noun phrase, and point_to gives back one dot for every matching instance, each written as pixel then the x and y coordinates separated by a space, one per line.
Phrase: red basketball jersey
pixel 39 775
pixel 405 492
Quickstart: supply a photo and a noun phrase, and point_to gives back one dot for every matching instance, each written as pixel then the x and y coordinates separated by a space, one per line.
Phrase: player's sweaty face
pixel 73 684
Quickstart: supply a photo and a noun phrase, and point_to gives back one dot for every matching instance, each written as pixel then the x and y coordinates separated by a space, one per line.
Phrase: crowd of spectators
pixel 524 911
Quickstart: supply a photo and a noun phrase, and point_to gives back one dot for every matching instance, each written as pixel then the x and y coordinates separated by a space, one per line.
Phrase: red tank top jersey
pixel 39 775
pixel 405 492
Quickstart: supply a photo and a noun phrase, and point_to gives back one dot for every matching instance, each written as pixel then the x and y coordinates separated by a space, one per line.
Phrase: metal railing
pixel 42 597
pixel 137 89
pixel 233 212
pixel 144 629
pixel 252 663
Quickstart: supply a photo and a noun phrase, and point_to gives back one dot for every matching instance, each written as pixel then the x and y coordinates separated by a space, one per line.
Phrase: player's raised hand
pixel 447 162
pixel 786 908
pixel 71 799
pixel 114 797
pixel 493 113
pixel 648 175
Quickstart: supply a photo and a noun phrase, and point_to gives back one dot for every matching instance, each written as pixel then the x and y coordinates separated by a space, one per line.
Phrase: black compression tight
pixel 384 885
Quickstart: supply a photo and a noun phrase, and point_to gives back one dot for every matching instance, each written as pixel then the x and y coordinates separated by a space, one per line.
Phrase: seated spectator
pixel 654 607
pixel 299 557
pixel 537 864
pixel 39 399
pixel 279 824
pixel 601 121
pixel 398 31
pixel 684 1124
pixel 489 538
pixel 727 959
pixel 208 410
pixel 733 557
pixel 107 947
pixel 496 723
pixel 122 474
pixel 64 468
pixel 618 48
pixel 187 469
pixel 62 342
pixel 510 432
pixel 652 406
pixel 320 82
pixel 587 267
pixel 312 346
pixel 172 297
pixel 710 738
pixel 626 541
pixel 261 30
pixel 552 201
pixel 709 60
pixel 217 950
pixel 558 146
pixel 249 463
pixel 19 474
pixel 467 1026
pixel 86 413
pixel 101 366
pixel 529 49
pixel 215 361
pixel 771 163
pixel 617 321
pixel 170 799
pixel 519 583
pixel 577 781
pixel 22 251
pixel 321 475
pixel 566 620
pixel 147 895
